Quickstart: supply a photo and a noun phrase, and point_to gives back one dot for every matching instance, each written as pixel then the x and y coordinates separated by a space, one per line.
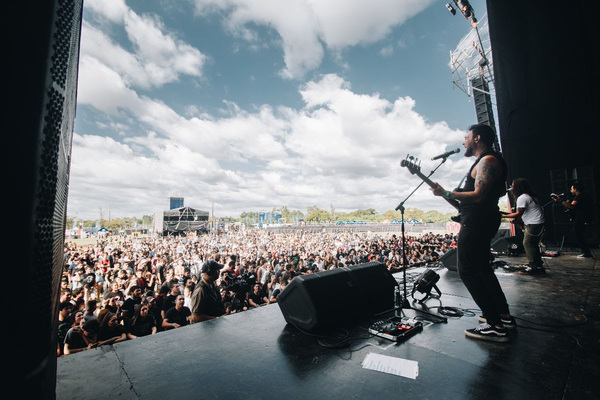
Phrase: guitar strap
pixel 460 186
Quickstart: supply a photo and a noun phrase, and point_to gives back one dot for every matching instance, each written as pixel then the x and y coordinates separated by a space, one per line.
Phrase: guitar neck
pixel 428 181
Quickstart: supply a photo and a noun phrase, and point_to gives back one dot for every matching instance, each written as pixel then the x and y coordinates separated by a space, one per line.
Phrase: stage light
pixel 465 8
pixel 424 283
pixel 450 8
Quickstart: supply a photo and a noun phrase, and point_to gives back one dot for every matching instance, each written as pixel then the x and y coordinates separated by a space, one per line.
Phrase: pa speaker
pixel 450 260
pixel 507 246
pixel 42 55
pixel 338 297
pixel 483 102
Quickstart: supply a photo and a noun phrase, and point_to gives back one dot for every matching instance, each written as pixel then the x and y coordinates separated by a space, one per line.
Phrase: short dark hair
pixel 91 326
pixel 164 289
pixel 65 304
pixel 485 132
pixel 91 305
pixel 578 186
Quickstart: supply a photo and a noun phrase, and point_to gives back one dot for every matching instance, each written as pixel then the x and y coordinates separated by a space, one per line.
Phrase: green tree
pixel 114 224
pixel 392 215
pixel 315 214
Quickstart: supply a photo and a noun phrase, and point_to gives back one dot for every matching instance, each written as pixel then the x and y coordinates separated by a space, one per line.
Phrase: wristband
pixel 447 194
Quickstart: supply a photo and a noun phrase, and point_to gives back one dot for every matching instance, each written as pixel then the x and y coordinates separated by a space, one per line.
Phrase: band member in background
pixel 480 220
pixel 531 213
pixel 579 207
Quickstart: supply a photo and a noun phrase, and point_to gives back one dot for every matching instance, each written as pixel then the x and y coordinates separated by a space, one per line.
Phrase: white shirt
pixel 534 213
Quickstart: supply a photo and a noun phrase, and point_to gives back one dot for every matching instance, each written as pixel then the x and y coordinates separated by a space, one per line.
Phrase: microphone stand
pixel 405 303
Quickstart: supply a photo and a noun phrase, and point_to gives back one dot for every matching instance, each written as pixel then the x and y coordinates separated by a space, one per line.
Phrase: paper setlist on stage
pixel 391 365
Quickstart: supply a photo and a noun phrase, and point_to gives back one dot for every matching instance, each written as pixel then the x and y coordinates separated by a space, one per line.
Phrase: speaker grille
pixel 48 179
pixel 327 299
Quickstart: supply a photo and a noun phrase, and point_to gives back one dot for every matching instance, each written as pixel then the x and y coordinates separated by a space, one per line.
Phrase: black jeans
pixel 579 230
pixel 474 265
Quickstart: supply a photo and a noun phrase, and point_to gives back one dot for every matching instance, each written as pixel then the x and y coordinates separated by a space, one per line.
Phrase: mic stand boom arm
pixel 405 302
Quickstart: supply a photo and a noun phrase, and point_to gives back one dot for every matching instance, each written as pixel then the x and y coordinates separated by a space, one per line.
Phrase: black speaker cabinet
pixel 511 246
pixel 450 260
pixel 42 53
pixel 338 297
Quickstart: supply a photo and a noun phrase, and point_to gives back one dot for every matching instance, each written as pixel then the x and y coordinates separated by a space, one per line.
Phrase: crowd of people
pixel 123 288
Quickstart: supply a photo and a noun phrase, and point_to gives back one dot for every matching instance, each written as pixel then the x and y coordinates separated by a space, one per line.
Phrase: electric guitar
pixel 415 169
pixel 558 198
pixel 517 221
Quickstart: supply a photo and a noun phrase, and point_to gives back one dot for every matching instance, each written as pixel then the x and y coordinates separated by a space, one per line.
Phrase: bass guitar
pixel 415 169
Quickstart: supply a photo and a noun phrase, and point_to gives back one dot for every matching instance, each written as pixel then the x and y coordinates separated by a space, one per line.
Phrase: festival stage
pixel 554 354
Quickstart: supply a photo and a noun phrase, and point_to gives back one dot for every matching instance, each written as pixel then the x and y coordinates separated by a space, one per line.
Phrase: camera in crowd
pixel 240 285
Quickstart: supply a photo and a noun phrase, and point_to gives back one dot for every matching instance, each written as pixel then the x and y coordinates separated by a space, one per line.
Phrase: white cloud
pixel 387 51
pixel 304 25
pixel 103 88
pixel 113 10
pixel 158 56
pixel 341 148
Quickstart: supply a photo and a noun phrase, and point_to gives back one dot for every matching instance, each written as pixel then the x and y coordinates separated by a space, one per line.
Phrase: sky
pixel 249 105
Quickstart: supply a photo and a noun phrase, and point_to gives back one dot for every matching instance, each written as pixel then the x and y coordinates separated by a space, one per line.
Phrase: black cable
pixel 564 334
pixel 455 311
pixel 585 320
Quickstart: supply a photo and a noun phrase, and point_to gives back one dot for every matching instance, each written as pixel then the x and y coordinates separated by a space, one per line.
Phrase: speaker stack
pixel 42 53
pixel 450 259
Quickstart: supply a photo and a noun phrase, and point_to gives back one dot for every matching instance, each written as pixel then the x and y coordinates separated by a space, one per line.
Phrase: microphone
pixel 446 154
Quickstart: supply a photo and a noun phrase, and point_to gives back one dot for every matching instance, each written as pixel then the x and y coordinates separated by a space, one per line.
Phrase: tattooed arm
pixel 487 171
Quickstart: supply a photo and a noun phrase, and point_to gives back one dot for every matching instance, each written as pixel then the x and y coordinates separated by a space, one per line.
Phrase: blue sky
pixel 255 104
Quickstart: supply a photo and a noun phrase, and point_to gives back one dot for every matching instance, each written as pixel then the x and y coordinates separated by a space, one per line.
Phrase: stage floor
pixel 554 354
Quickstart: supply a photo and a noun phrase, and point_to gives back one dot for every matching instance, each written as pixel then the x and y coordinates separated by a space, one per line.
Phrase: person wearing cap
pixel 207 302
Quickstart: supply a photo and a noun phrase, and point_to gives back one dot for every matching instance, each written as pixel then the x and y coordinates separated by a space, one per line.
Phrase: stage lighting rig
pixel 465 9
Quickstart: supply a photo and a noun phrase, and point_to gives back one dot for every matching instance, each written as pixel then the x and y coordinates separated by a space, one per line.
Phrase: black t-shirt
pixel 581 211
pixel 88 280
pixel 175 316
pixel 109 333
pixel 63 328
pixel 75 339
pixel 256 298
pixel 142 327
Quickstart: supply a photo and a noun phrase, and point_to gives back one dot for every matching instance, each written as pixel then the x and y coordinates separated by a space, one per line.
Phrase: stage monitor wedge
pixel 336 298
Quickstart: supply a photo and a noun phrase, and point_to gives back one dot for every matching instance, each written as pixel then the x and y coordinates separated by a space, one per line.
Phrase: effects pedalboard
pixel 396 329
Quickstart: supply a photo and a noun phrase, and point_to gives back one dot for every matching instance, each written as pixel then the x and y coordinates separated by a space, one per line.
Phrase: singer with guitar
pixel 480 220
pixel 531 212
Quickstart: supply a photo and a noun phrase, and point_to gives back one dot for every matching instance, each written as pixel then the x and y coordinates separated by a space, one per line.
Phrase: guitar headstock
pixel 412 164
